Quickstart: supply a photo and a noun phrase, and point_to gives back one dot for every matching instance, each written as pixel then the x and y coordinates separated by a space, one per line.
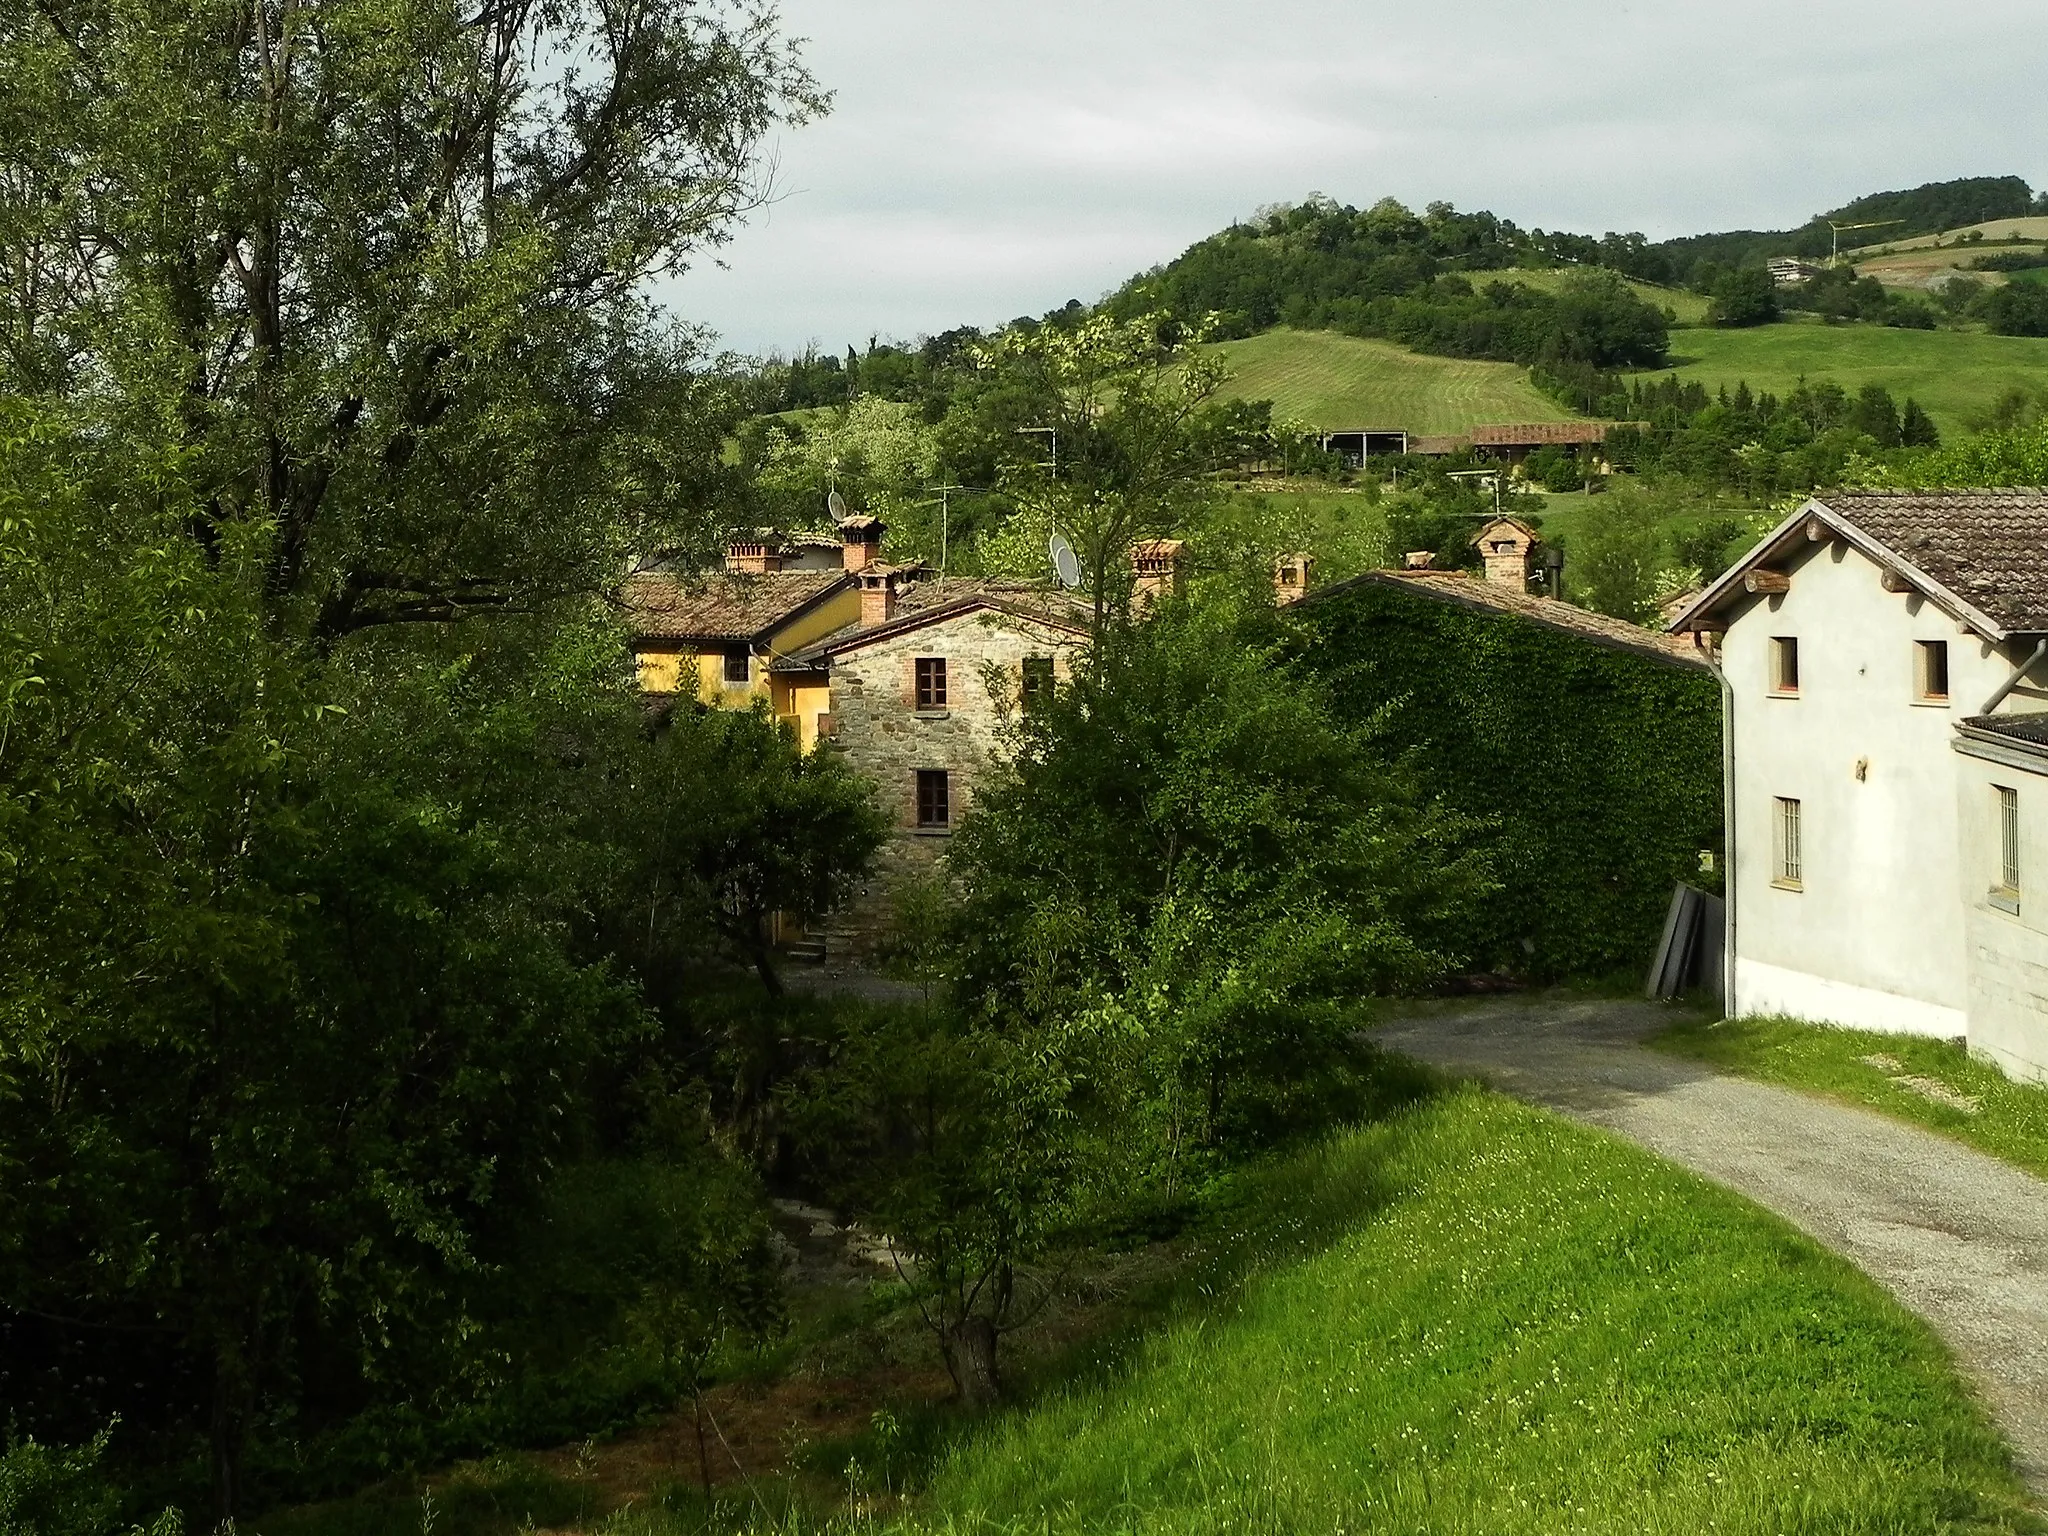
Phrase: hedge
pixel 1597 769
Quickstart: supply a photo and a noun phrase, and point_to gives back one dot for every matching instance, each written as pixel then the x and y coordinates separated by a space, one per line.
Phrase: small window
pixel 1930 671
pixel 2008 886
pixel 738 666
pixel 1038 680
pixel 931 682
pixel 1784 664
pixel 1791 864
pixel 934 798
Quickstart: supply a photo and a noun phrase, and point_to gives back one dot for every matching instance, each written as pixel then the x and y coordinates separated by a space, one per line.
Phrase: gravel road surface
pixel 1959 1237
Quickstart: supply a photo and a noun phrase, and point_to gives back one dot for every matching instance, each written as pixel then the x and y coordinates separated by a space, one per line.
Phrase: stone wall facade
pixel 877 723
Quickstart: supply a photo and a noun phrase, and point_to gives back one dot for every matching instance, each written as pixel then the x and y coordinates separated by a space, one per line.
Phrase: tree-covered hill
pixel 1422 279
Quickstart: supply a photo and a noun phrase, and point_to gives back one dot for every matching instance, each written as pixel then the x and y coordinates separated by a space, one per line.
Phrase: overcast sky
pixel 985 160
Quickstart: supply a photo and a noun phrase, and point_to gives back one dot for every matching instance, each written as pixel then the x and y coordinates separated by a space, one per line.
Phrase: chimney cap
pixel 861 528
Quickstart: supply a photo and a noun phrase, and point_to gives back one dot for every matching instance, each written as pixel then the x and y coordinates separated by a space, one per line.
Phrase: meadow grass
pixel 1955 375
pixel 1334 381
pixel 1475 1317
pixel 1906 1076
pixel 1685 306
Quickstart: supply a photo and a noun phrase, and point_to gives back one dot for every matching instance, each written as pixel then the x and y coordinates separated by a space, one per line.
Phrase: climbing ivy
pixel 1597 768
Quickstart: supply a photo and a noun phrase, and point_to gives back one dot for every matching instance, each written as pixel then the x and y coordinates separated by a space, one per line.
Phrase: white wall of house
pixel 2006 928
pixel 1872 936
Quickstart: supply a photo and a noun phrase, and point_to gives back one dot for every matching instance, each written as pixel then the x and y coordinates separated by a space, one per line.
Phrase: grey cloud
pixel 990 160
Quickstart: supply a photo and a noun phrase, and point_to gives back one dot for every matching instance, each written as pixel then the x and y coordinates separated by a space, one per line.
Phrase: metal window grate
pixel 2009 840
pixel 931 682
pixel 1038 680
pixel 1791 866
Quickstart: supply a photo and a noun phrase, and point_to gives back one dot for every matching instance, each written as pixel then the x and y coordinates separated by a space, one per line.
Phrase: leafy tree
pixel 1128 408
pixel 2016 309
pixel 1743 296
pixel 381 273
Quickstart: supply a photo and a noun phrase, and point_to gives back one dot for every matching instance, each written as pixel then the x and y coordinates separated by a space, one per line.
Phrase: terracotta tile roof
pixel 1535 434
pixel 1438 447
pixel 661 606
pixel 1498 597
pixel 1989 548
pixel 933 602
pixel 1982 556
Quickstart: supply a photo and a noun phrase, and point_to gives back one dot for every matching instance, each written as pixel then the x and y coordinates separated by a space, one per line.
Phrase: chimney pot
pixel 877 595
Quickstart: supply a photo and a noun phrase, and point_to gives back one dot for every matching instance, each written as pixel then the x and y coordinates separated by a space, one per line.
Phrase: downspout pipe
pixel 2019 674
pixel 1728 866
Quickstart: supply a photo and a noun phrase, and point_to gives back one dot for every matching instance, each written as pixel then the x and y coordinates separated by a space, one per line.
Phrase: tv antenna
pixel 1066 565
pixel 1838 230
pixel 945 522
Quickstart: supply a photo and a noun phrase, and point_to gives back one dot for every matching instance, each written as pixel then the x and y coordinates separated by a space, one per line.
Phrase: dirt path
pixel 1959 1237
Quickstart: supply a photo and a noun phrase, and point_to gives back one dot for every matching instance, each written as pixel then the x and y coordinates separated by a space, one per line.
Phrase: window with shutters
pixel 934 798
pixel 931 682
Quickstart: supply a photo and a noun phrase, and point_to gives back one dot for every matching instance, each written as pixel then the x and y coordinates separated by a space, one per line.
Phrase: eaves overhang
pixel 1729 588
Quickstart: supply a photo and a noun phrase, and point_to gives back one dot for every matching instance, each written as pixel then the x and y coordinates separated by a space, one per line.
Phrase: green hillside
pixel 1334 382
pixel 1685 306
pixel 1953 374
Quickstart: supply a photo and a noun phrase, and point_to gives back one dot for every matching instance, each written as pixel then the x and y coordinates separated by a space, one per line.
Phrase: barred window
pixel 931 682
pixel 2008 842
pixel 1791 862
pixel 738 666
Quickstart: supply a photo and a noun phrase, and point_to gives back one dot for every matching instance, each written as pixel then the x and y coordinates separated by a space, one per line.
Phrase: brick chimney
pixel 753 557
pixel 1291 576
pixel 1156 564
pixel 1506 547
pixel 860 542
pixel 877 594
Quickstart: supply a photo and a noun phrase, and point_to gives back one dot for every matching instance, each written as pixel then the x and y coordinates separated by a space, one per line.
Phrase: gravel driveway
pixel 1959 1237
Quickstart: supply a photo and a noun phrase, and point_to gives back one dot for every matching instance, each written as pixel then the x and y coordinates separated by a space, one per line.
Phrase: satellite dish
pixel 1066 565
pixel 836 505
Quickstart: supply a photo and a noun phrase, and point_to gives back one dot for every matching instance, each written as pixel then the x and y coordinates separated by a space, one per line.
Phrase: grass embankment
pixel 1473 1318
pixel 1955 375
pixel 1933 1083
pixel 1337 382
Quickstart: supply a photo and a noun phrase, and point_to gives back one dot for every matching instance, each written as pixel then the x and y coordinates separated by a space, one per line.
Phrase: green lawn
pixel 1953 374
pixel 1334 382
pixel 1902 1075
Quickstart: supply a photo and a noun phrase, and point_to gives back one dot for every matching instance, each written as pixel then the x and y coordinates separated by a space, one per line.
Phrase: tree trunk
pixel 232 1403
pixel 970 1350
pixel 764 967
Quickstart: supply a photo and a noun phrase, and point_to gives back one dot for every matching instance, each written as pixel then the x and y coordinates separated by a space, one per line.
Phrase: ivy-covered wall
pixel 1599 768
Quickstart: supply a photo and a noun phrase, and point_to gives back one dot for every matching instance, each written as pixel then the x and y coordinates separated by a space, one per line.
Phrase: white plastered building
pixel 1887 767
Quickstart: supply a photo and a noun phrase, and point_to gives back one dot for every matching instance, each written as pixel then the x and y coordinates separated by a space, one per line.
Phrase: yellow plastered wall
pixel 661 671
pixel 800 701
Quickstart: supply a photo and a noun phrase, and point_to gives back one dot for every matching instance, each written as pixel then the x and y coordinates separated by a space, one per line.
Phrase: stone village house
pixel 908 674
pixel 1883 659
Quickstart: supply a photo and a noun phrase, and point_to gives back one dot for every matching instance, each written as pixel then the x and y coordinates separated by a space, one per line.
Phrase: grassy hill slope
pixel 1687 307
pixel 1953 374
pixel 1333 381
pixel 1520 1327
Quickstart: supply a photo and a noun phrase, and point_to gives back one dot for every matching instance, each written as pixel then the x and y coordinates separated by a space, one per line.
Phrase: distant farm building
pixel 1790 271
pixel 1354 445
